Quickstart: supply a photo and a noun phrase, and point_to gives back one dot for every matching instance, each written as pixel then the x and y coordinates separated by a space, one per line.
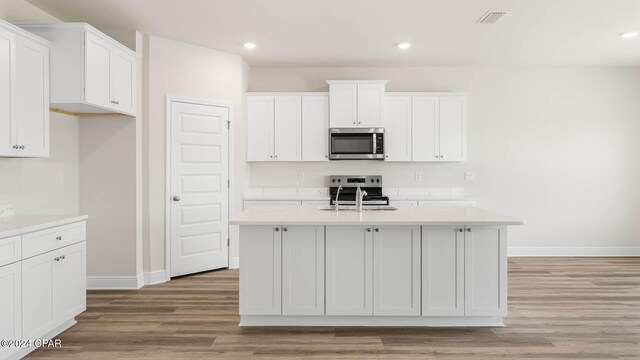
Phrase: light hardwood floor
pixel 559 308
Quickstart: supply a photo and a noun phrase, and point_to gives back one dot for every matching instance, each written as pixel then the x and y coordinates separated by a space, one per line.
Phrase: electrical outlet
pixel 418 176
pixel 301 177
pixel 59 182
pixel 469 176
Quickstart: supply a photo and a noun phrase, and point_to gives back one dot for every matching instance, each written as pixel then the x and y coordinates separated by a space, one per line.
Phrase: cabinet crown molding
pixel 17 30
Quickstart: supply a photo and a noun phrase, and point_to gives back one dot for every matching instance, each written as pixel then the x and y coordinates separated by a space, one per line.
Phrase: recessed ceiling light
pixel 404 45
pixel 249 45
pixel 629 34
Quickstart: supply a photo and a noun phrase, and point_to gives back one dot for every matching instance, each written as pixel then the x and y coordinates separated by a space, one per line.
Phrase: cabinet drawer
pixel 10 250
pixel 54 238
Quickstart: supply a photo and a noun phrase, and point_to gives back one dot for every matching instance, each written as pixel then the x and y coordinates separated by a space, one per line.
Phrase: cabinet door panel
pixel 343 100
pixel 485 271
pixel 122 83
pixel 260 270
pixel 315 128
pixel 260 117
pixel 442 271
pixel 31 99
pixel 371 105
pixel 425 136
pixel 453 128
pixel 10 305
pixel 7 118
pixel 303 270
pixel 397 125
pixel 396 271
pixel 288 132
pixel 97 72
pixel 69 286
pixel 349 270
pixel 37 296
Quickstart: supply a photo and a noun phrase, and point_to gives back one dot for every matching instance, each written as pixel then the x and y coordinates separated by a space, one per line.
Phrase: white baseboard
pixel 574 251
pixel 115 282
pixel 155 277
pixel 235 263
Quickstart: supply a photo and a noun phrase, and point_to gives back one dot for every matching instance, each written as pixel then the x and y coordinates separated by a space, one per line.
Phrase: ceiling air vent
pixel 491 17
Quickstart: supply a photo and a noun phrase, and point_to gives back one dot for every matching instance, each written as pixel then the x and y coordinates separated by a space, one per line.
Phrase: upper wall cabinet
pixel 24 93
pixel 356 103
pixel 426 127
pixel 90 72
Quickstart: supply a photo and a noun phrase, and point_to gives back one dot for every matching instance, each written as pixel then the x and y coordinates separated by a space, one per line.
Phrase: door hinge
pixel 228 183
pixel 228 124
pixel 228 241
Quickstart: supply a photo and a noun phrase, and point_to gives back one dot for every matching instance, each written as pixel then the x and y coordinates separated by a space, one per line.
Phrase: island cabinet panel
pixel 349 252
pixel 396 270
pixel 442 271
pixel 10 305
pixel 260 272
pixel 303 270
pixel 485 271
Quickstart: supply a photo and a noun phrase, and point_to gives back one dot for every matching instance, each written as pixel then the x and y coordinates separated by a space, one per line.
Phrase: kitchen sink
pixel 364 208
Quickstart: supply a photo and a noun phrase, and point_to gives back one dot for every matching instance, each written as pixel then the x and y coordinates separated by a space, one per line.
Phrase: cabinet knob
pixel 284 229
pixel 377 229
pixel 277 229
pixel 15 146
pixel 368 229
pixel 57 259
pixel 460 230
pixel 468 229
pixel 176 198
pixel 117 102
pixel 58 238
pixel 62 257
pixel 21 147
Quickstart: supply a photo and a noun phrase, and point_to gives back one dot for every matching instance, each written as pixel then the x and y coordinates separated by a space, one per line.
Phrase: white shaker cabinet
pixel 53 290
pixel 260 270
pixel 485 271
pixel 349 271
pixel 442 271
pixel 453 128
pixel 356 103
pixel 90 72
pixel 396 270
pixel 425 131
pixel 315 128
pixel 24 93
pixel 10 305
pixel 398 133
pixel 274 128
pixel 303 270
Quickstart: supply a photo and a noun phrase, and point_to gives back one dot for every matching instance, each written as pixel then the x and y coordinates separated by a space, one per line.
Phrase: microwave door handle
pixel 375 144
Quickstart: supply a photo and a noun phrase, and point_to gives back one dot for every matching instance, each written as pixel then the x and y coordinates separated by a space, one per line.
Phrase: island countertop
pixel 405 215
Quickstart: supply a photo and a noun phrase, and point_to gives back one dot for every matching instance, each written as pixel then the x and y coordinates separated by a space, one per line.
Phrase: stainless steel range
pixel 347 185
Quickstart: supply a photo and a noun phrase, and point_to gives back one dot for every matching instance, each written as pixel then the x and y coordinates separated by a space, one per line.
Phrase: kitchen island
pixel 414 266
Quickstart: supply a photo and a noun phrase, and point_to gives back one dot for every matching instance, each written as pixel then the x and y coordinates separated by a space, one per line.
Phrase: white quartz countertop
pixel 22 224
pixel 322 197
pixel 405 215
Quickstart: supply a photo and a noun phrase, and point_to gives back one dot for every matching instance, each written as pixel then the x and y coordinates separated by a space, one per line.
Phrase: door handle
pixel 176 198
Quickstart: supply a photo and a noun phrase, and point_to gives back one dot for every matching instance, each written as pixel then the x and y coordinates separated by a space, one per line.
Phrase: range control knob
pixel 372 180
pixel 333 180
pixel 377 180
pixel 338 180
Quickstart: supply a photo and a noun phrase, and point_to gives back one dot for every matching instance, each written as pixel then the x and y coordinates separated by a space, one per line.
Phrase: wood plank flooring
pixel 559 308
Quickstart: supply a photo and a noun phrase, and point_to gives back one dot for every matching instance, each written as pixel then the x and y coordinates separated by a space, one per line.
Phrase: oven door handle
pixel 375 144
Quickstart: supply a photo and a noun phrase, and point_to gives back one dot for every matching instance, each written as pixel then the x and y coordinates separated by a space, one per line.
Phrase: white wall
pixel 45 185
pixel 178 69
pixel 557 147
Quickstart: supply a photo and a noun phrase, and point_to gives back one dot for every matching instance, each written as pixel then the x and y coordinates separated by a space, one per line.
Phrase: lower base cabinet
pixel 355 270
pixel 10 305
pixel 54 289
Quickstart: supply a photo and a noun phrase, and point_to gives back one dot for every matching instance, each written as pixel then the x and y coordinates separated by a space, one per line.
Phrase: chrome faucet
pixel 360 194
pixel 337 194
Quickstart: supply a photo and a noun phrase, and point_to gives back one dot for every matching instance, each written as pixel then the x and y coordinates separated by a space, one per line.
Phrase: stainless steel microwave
pixel 356 144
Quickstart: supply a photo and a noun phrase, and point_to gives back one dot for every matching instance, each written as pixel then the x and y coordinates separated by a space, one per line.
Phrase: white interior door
pixel 199 190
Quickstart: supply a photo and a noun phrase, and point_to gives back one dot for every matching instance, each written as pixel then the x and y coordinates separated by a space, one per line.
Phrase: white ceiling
pixel 293 33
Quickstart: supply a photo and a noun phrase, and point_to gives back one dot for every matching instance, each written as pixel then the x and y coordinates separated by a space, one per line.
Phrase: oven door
pixel 354 144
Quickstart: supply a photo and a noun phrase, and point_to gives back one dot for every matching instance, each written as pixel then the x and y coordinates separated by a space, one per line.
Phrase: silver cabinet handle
pixel 58 238
pixel 277 229
pixel 460 230
pixel 62 257
pixel 57 259
pixel 176 198
pixel 21 147
pixel 377 229
pixel 16 146
pixel 284 229
pixel 468 229
pixel 368 229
